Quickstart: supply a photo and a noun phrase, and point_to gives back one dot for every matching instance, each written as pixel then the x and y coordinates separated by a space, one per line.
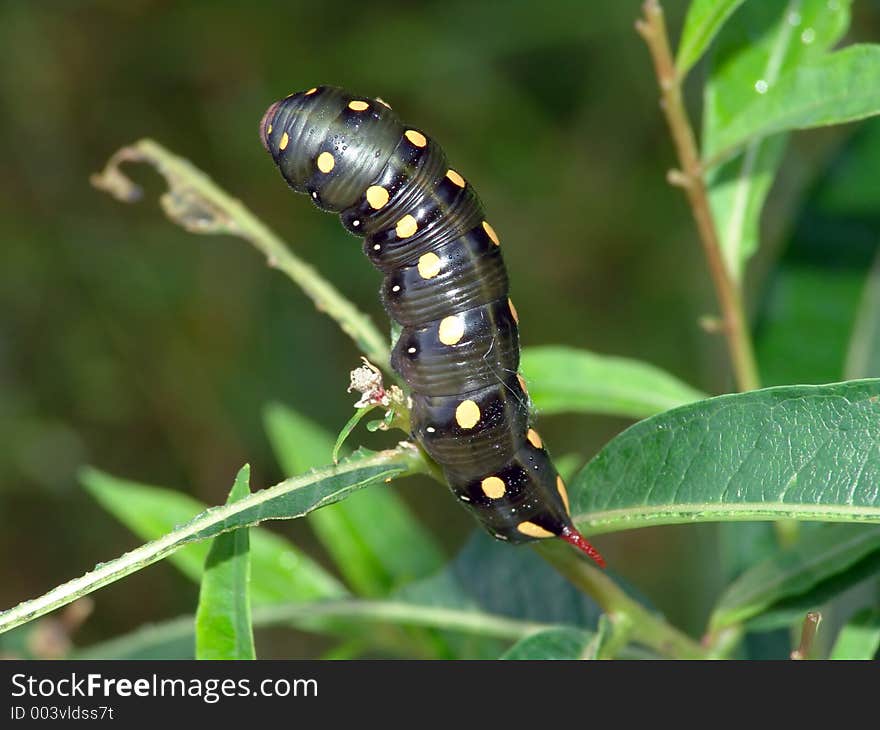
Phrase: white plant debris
pixel 367 380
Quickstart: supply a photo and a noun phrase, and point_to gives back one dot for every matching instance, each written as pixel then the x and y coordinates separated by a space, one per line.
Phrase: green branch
pixel 652 28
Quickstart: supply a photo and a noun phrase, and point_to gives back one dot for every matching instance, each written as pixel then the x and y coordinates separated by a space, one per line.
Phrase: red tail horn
pixel 573 537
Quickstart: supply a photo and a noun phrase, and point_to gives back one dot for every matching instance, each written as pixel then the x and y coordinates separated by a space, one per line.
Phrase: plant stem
pixel 808 635
pixel 644 626
pixel 373 615
pixel 406 614
pixel 196 203
pixel 724 642
pixel 652 28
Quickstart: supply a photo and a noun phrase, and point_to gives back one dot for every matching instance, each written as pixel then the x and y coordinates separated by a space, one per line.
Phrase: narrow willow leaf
pixel 789 611
pixel 833 89
pixel 860 636
pixel 223 616
pixel 805 293
pixel 489 592
pixel 849 190
pixel 795 571
pixel 803 452
pixel 760 44
pixel 863 357
pixel 556 643
pixel 347 429
pixel 601 644
pixel 373 537
pixel 704 19
pixel 173 639
pixel 287 500
pixel 805 296
pixel 564 379
pixel 352 649
pixel 743 544
pixel 280 572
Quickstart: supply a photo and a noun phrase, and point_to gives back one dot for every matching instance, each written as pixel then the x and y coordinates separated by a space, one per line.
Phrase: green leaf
pixel 564 379
pixel 287 500
pixel 805 296
pixel 860 637
pixel 556 643
pixel 173 639
pixel 802 452
pixel 817 285
pixel 833 89
pixel 798 570
pixel 509 581
pixel 743 544
pixel 347 429
pixel 374 539
pixel 791 610
pixel 488 593
pixel 223 617
pixel 849 189
pixel 863 357
pixel 280 572
pixel 704 19
pixel 761 43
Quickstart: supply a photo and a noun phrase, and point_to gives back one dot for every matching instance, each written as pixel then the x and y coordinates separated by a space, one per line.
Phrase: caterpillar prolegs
pixel 445 284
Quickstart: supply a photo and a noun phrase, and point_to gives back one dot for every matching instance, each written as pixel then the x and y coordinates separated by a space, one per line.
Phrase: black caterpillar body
pixel 446 285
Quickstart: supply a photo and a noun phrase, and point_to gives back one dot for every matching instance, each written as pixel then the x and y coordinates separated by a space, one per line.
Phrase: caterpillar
pixel 446 285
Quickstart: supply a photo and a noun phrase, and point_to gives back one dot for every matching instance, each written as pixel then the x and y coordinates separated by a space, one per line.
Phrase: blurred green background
pixel 134 346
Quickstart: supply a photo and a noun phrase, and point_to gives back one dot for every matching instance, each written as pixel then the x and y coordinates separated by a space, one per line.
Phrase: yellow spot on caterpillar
pixel 269 129
pixel 326 162
pixel 534 439
pixel 522 383
pixel 311 91
pixel 467 415
pixel 513 311
pixel 429 265
pixel 417 138
pixel 284 140
pixel 560 485
pixel 533 530
pixel 493 487
pixel 406 226
pixel 456 178
pixel 491 233
pixel 451 330
pixel 383 102
pixel 358 106
pixel 377 196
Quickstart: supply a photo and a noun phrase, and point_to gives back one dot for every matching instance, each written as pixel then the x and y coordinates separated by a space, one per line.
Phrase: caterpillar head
pixel 329 143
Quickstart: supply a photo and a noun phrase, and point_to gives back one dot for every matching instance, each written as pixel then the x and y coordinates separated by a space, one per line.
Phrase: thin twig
pixel 196 203
pixel 808 635
pixel 652 28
